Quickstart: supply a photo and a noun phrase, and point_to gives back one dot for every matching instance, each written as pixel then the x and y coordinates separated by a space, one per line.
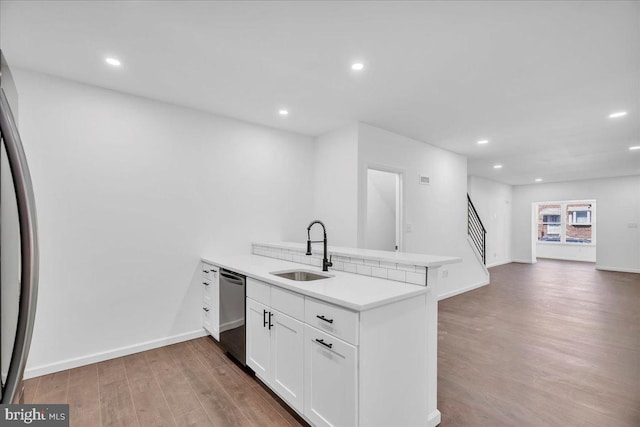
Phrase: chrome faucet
pixel 326 263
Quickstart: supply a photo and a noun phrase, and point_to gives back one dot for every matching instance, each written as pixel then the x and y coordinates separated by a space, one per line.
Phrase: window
pixel 549 223
pixel 566 222
pixel 578 229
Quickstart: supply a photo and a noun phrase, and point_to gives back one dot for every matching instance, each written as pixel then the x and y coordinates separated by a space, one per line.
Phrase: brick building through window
pixel 566 222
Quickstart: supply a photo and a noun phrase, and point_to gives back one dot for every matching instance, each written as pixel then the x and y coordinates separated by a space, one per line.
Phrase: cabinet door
pixel 287 355
pixel 329 380
pixel 258 339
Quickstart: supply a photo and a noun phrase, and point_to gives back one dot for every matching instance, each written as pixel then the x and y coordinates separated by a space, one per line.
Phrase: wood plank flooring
pixel 556 343
pixel 551 344
pixel 188 384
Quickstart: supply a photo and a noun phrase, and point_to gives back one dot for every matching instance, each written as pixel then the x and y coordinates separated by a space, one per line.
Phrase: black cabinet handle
pixel 206 283
pixel 205 309
pixel 205 271
pixel 321 341
pixel 264 318
pixel 270 324
pixel 321 317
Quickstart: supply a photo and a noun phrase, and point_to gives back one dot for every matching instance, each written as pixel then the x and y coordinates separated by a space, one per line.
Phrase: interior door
pixel 384 204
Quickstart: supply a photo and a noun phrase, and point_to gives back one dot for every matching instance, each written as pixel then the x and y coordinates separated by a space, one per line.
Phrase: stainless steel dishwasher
pixel 232 314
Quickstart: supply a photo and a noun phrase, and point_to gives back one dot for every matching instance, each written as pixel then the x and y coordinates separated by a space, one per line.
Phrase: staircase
pixel 477 232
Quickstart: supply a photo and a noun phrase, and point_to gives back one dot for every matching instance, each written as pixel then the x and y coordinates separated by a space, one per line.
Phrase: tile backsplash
pixel 407 273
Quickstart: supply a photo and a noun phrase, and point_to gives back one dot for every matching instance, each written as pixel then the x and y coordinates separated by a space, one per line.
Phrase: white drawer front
pixel 259 291
pixel 207 271
pixel 287 302
pixel 207 315
pixel 332 319
pixel 330 380
pixel 207 292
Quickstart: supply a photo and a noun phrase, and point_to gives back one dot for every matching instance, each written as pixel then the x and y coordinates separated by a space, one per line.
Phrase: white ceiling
pixel 538 79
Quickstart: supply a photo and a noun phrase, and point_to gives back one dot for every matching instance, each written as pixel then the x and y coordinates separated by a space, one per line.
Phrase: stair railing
pixel 476 230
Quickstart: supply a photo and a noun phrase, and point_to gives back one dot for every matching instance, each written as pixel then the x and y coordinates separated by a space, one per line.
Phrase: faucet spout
pixel 326 263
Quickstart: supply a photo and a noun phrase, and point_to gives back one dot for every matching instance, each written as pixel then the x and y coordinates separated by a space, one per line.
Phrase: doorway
pixel 384 210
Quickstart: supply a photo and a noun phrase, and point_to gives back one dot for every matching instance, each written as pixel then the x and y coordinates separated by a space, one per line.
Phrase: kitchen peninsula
pixel 355 345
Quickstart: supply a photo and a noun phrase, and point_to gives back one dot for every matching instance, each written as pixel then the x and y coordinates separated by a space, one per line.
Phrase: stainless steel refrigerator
pixel 18 246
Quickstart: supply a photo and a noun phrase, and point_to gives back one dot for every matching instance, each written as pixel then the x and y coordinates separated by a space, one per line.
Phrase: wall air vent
pixel 424 180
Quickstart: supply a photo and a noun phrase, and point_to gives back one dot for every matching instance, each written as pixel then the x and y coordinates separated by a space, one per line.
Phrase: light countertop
pixel 352 291
pixel 423 260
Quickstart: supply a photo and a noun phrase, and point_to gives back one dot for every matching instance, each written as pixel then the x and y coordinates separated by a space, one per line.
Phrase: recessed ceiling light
pixel 618 114
pixel 357 66
pixel 283 112
pixel 497 166
pixel 113 61
pixel 538 179
pixel 483 141
pixel 635 147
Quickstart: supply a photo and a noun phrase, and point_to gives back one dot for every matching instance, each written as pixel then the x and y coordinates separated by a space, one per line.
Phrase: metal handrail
pixel 29 250
pixel 476 230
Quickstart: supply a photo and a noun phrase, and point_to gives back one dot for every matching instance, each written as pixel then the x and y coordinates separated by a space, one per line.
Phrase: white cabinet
pixel 330 379
pixel 287 354
pixel 338 367
pixel 258 339
pixel 210 300
pixel 334 320
pixel 275 340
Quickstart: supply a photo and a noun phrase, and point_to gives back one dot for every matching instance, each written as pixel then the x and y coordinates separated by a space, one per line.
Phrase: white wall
pixel 130 192
pixel 618 211
pixel 492 200
pixel 335 187
pixel 568 251
pixel 381 210
pixel 436 213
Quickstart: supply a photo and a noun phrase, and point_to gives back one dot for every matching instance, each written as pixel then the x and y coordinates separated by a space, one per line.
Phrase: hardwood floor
pixel 556 343
pixel 551 344
pixel 188 384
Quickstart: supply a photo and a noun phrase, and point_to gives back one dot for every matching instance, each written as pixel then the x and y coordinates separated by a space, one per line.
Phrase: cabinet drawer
pixel 207 292
pixel 259 291
pixel 206 271
pixel 330 380
pixel 287 302
pixel 332 319
pixel 207 315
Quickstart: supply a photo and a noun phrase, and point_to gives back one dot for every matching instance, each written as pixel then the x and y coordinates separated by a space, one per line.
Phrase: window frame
pixel 564 222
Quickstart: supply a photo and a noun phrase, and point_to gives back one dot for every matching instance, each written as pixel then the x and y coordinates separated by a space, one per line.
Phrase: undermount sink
pixel 301 275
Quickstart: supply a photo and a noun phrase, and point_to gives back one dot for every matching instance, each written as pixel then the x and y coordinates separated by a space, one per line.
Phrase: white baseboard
pixel 110 354
pixel 434 418
pixel 463 290
pixel 567 259
pixel 495 264
pixel 620 270
pixel 523 261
